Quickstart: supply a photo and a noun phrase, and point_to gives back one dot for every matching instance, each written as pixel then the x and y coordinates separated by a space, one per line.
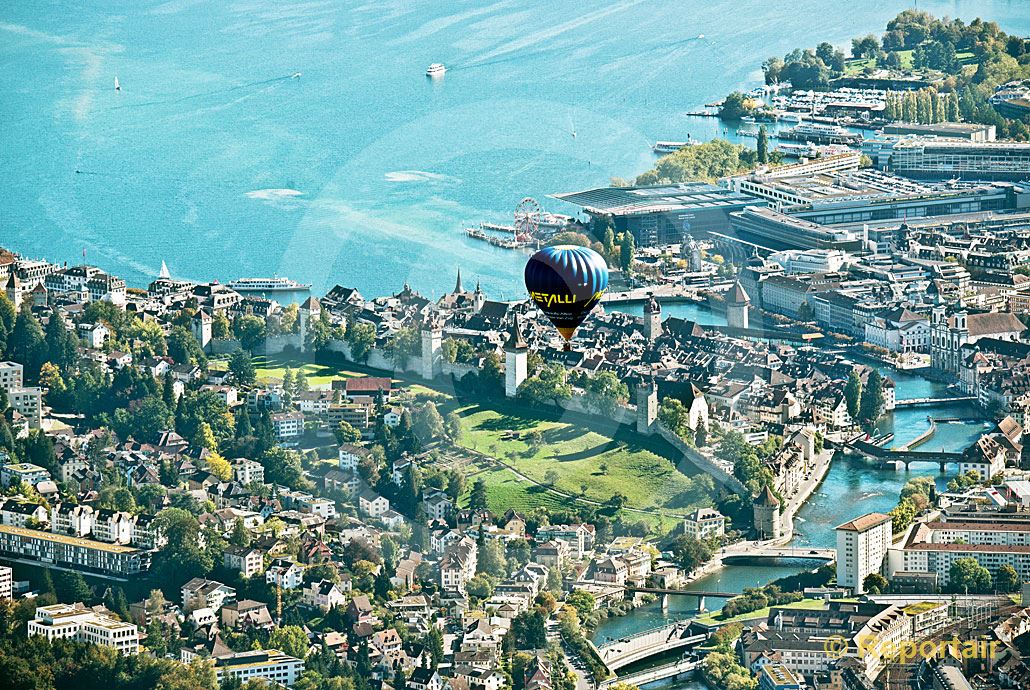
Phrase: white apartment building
pixel 76 622
pixel 285 574
pixel 15 473
pixel 287 425
pixel 862 546
pixel 704 523
pixel 248 471
pixel 29 404
pixel 6 583
pixel 932 547
pixel 458 565
pixel 11 375
pixel 277 667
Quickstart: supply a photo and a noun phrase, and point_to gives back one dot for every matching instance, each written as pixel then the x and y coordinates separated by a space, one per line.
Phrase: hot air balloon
pixel 565 282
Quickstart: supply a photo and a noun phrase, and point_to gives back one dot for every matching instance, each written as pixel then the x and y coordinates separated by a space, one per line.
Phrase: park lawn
pixel 648 480
pixel 505 490
pixel 715 617
pixel 272 368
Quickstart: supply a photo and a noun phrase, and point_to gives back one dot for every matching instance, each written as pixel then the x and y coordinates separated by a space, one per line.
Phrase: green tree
pixel 604 393
pixel 735 106
pixel 182 557
pixel 241 366
pixel 853 393
pixel 626 249
pixel 70 586
pixel 967 575
pixel 61 343
pixel 220 327
pixel 249 330
pixel 477 499
pixel 763 145
pixel 871 405
pixel 1008 579
pixel 291 640
pixel 360 337
pixel 26 344
pixel 345 433
pixel 582 601
pixel 184 348
pixel 875 583
pixel 283 466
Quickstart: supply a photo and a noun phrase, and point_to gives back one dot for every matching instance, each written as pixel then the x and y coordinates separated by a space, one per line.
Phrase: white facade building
pixel 862 546
pixel 76 622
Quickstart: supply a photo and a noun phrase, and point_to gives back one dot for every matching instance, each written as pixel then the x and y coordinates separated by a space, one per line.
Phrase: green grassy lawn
pixel 272 369
pixel 715 618
pixel 576 450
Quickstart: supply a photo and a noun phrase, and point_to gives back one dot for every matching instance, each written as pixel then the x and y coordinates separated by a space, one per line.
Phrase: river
pixel 852 487
pixel 360 171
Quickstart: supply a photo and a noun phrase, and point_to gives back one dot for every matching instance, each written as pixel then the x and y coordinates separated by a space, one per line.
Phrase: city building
pixel 82 624
pixel 862 546
pixel 36 546
pixel 6 582
pixel 933 158
pixel 704 523
pixel 662 214
pixel 268 664
pixel 22 472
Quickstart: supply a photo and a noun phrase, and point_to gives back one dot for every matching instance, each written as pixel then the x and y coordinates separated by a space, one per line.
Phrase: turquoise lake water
pixel 362 171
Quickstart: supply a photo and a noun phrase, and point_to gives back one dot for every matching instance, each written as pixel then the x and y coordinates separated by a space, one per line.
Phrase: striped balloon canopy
pixel 565 282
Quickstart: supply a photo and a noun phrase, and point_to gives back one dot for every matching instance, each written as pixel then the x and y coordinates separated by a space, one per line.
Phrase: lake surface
pixel 361 171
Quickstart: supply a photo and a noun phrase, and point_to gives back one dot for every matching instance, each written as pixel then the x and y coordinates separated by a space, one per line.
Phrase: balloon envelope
pixel 565 283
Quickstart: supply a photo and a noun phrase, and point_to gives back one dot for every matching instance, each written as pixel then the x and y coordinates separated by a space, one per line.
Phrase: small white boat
pixel 435 70
pixel 117 86
pixel 700 36
pixel 296 75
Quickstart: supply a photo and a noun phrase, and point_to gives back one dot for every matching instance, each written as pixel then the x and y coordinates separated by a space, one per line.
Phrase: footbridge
pixel 624 651
pixel 890 456
pixel 916 402
pixel 780 553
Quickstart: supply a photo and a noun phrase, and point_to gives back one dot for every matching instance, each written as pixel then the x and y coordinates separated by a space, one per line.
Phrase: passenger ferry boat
pixel 672 146
pixel 435 70
pixel 266 285
pixel 821 134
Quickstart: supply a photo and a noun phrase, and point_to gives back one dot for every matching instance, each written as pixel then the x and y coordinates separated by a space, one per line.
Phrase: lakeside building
pixel 772 230
pixel 970 131
pixel 661 214
pixel 862 545
pixel 36 546
pixel 932 158
pixel 82 624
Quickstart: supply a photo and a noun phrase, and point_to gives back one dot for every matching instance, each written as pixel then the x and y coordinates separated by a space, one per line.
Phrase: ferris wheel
pixel 527 219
